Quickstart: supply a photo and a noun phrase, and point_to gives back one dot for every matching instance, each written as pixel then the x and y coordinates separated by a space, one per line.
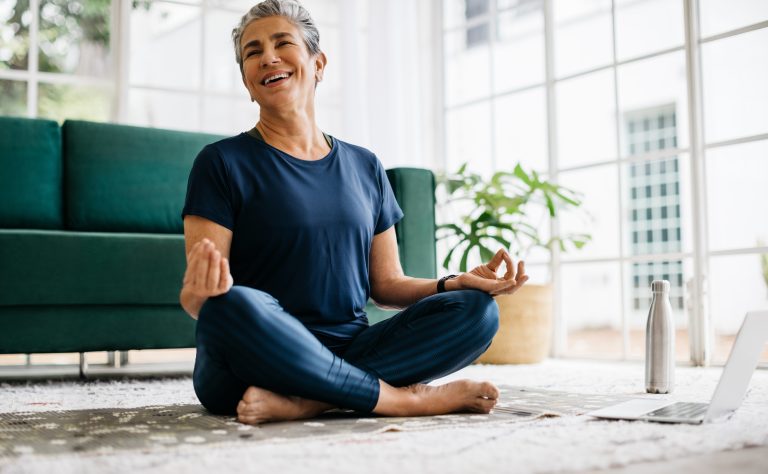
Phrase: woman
pixel 307 222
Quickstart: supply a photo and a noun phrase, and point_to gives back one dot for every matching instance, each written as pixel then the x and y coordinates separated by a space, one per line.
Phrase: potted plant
pixel 510 210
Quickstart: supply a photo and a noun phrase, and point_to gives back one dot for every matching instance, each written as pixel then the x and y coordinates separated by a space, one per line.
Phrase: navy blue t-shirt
pixel 302 230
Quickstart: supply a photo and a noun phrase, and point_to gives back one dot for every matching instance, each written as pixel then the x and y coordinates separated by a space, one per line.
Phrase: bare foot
pixel 461 395
pixel 260 406
pixel 453 397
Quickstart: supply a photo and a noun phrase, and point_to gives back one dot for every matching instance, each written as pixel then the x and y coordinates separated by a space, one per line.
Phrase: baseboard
pixel 94 371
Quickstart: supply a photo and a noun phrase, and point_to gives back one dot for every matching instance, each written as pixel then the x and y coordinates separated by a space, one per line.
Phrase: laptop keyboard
pixel 680 410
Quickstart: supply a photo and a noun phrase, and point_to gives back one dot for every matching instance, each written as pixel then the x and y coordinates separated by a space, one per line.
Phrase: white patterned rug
pixel 512 442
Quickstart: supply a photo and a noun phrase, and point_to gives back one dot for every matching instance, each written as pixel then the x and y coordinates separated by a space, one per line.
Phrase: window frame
pixel 701 332
pixel 33 77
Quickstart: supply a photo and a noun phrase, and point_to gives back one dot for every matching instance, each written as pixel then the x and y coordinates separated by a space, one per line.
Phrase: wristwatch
pixel 441 283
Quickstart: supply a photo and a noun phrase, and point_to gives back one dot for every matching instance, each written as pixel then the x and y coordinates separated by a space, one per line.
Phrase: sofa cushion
pixel 30 174
pixel 127 179
pixel 414 190
pixel 70 268
pixel 29 329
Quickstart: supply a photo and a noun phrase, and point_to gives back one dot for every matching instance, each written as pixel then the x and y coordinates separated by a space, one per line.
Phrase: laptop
pixel 728 395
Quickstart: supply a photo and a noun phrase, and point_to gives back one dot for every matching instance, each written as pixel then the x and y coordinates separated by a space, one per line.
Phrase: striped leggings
pixel 245 338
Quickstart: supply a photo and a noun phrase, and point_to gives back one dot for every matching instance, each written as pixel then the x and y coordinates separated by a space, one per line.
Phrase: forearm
pixel 403 291
pixel 191 303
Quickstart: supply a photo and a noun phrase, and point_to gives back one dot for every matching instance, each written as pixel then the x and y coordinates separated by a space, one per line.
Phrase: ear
pixel 320 62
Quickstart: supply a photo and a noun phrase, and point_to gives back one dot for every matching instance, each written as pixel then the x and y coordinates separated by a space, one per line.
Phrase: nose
pixel 269 57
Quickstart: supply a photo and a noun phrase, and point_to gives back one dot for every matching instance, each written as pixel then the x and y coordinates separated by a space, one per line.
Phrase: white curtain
pixel 388 93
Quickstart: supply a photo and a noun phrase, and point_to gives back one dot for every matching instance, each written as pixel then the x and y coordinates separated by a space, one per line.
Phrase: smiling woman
pixel 288 233
pixel 281 72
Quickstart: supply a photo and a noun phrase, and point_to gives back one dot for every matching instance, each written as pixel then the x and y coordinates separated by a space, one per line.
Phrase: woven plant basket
pixel 525 327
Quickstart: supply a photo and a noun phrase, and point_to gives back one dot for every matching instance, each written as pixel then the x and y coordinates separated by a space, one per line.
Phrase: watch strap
pixel 441 283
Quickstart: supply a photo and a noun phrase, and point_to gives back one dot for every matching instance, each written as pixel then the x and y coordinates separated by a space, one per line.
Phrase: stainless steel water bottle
pixel 660 341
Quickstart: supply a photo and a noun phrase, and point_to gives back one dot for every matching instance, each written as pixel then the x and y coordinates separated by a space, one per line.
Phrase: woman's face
pixel 278 69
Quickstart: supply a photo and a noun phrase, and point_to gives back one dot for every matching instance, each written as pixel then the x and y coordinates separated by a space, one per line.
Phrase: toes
pixel 249 419
pixel 251 409
pixel 483 405
pixel 489 390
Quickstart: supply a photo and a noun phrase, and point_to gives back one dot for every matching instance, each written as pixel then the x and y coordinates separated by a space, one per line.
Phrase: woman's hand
pixel 207 272
pixel 484 277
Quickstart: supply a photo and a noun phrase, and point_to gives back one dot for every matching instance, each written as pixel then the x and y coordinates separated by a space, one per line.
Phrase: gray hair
pixel 292 10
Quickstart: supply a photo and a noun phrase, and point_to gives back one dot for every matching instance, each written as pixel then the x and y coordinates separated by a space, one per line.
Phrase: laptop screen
pixel 741 364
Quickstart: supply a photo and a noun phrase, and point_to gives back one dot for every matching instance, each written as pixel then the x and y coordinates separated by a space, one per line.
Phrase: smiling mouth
pixel 276 78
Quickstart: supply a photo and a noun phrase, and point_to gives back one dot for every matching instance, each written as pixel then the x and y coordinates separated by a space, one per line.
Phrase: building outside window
pixel 654 204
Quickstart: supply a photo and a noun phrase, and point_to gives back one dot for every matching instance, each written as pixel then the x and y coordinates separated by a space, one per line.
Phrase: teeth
pixel 275 77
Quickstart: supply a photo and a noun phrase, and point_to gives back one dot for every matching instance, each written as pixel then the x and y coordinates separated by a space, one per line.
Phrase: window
pixel 157 63
pixel 199 88
pixel 61 68
pixel 616 107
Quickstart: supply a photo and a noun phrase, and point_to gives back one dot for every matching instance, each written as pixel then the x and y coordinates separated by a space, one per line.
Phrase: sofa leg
pixel 83 366
pixel 123 358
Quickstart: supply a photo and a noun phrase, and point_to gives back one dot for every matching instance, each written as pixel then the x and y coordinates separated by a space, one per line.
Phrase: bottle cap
pixel 660 286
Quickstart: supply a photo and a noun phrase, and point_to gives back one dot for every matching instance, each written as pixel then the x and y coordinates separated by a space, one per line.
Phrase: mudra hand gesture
pixel 484 277
pixel 207 272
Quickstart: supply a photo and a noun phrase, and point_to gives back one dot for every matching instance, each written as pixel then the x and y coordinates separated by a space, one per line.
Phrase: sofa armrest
pixel 414 190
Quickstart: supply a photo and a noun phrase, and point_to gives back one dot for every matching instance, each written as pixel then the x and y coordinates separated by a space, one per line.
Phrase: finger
pixel 488 286
pixel 193 264
pixel 509 289
pixel 192 250
pixel 510 273
pixel 201 274
pixel 224 280
pixel 214 271
pixel 520 268
pixel 197 247
pixel 506 286
pixel 483 284
pixel 493 265
pixel 189 274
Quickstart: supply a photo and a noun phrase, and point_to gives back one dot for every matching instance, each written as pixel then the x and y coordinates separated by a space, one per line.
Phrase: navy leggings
pixel 245 338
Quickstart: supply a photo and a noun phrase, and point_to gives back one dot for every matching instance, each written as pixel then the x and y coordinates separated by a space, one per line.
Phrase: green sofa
pixel 91 244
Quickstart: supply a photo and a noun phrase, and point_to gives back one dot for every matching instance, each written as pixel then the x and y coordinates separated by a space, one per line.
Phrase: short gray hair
pixel 292 10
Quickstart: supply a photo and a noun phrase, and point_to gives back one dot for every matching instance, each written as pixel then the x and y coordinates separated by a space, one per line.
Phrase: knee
pixel 240 302
pixel 480 313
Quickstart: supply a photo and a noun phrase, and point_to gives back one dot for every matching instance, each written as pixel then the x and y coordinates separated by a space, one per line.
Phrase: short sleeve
pixel 389 212
pixel 209 193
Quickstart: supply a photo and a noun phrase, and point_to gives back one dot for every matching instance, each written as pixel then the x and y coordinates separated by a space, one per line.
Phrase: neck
pixel 293 132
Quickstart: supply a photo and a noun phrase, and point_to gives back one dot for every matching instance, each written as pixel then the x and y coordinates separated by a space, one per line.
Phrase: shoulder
pixel 358 155
pixel 229 146
pixel 229 152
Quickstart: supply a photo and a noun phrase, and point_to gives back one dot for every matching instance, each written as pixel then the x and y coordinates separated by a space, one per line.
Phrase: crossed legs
pixel 258 361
